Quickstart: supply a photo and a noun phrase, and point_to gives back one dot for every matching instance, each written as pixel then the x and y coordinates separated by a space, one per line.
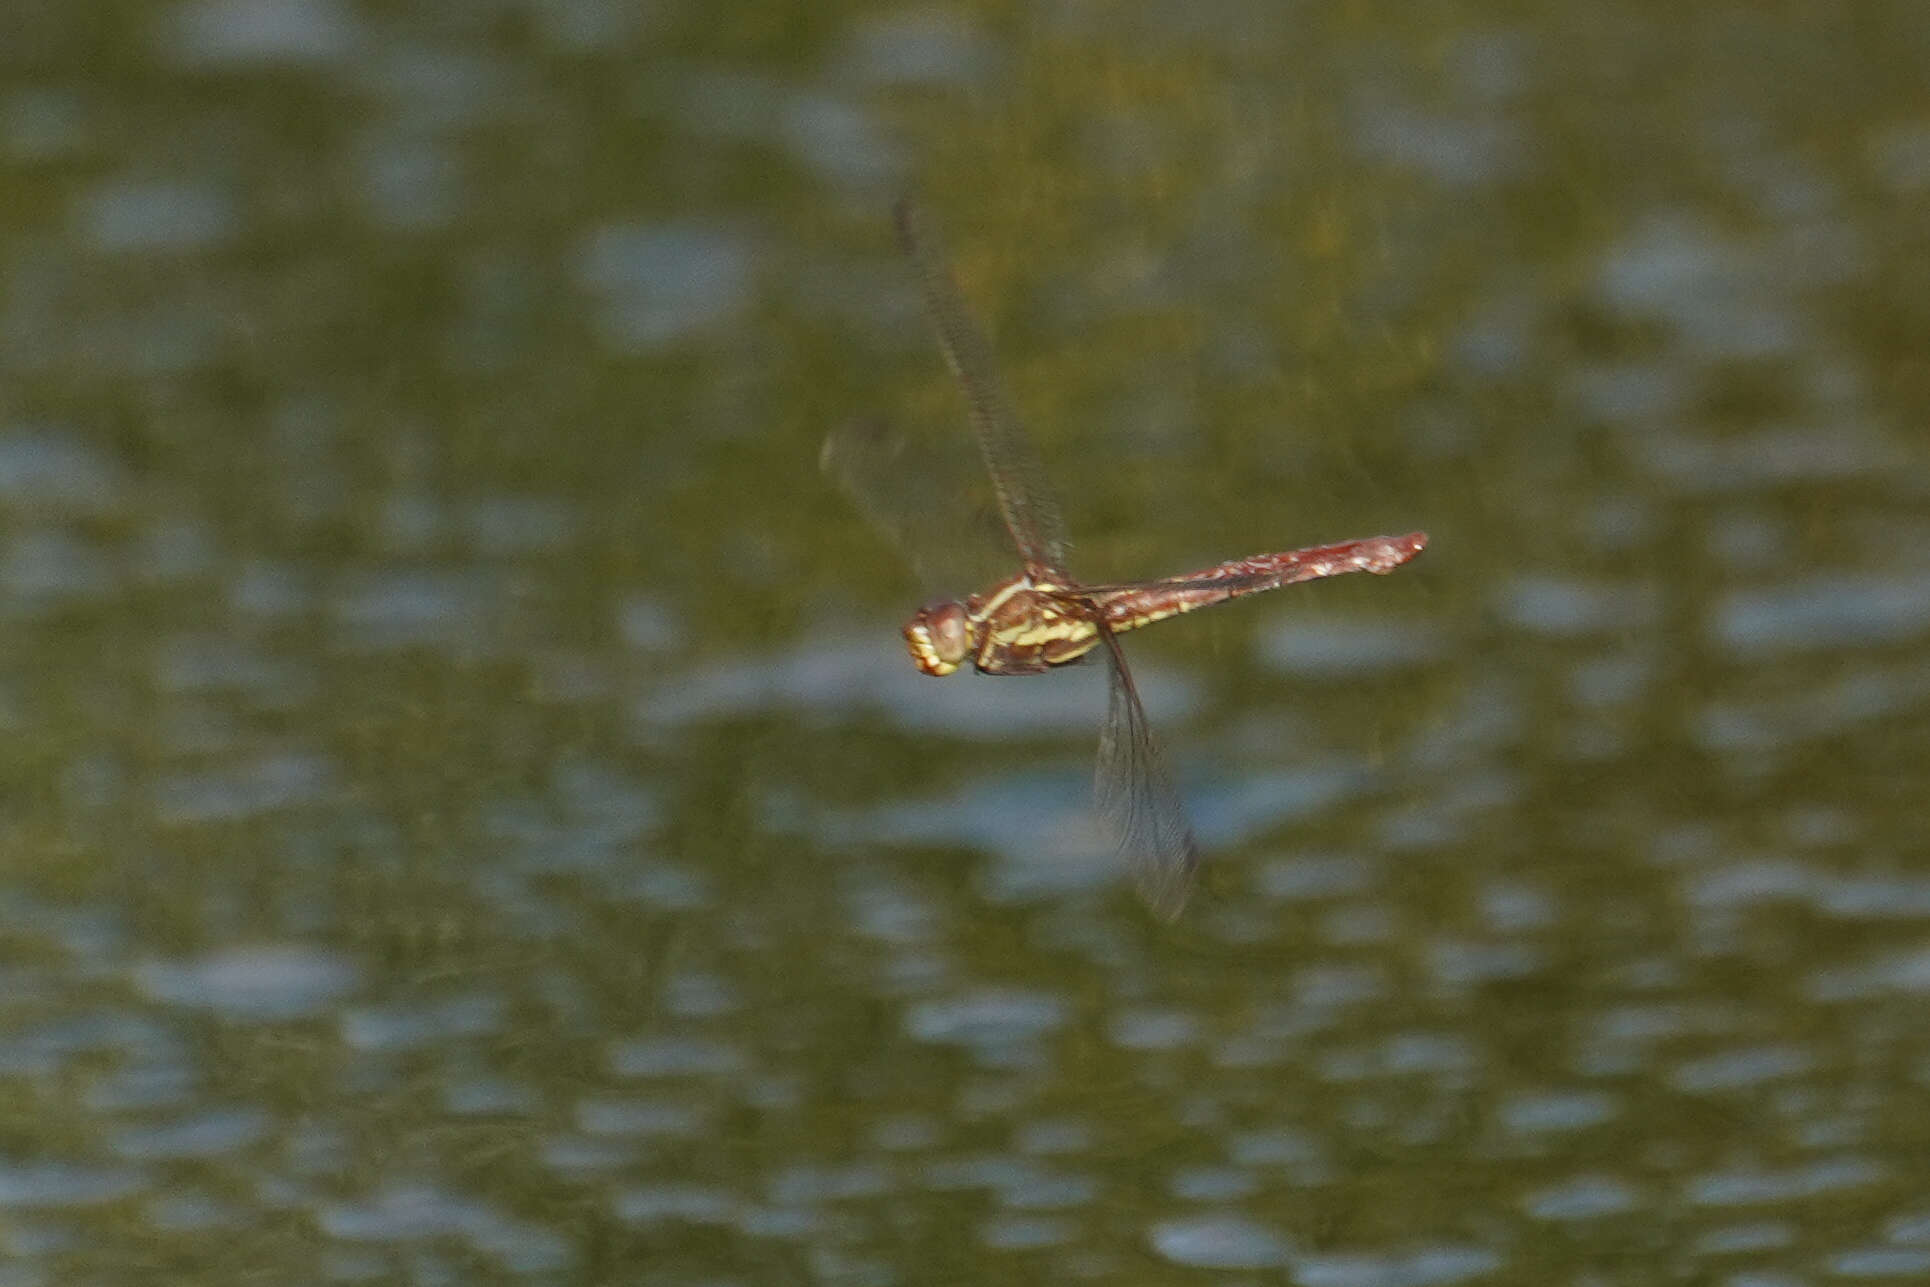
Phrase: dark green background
pixel 464 815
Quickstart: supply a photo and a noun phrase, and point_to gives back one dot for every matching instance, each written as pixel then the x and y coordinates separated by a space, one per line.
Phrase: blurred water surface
pixel 468 818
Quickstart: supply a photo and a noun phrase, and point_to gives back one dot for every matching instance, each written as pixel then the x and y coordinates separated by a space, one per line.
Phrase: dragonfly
pixel 1042 618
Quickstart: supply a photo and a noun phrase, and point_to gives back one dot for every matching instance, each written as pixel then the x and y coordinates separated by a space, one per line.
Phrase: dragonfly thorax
pixel 939 637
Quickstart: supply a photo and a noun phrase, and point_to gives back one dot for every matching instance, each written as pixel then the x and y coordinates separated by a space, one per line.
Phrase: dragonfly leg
pixel 1011 661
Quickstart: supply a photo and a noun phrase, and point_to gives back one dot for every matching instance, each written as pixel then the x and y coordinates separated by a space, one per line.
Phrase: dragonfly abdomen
pixel 1129 607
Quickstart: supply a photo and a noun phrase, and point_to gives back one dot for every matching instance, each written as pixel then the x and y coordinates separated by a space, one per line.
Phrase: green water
pixel 467 817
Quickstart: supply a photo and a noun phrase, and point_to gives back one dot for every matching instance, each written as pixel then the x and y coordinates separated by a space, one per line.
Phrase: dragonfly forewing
pixel 918 495
pixel 1018 476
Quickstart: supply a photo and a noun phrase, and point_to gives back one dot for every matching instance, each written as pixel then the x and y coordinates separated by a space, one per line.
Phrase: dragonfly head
pixel 939 637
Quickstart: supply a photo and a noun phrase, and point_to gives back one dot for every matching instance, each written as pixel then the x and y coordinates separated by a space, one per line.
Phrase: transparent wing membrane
pixel 916 494
pixel 1136 797
pixel 1025 498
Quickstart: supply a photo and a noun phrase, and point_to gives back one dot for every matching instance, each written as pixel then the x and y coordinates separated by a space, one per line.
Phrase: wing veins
pixel 1135 795
pixel 1018 476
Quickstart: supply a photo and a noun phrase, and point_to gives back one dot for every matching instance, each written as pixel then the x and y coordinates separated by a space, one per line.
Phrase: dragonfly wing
pixel 1136 796
pixel 1025 498
pixel 916 496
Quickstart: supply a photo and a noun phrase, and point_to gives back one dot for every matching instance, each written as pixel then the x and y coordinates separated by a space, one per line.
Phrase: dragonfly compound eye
pixel 939 638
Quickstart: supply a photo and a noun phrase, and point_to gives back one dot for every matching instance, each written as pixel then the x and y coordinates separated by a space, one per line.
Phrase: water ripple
pixel 260 984
pixel 1220 1242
